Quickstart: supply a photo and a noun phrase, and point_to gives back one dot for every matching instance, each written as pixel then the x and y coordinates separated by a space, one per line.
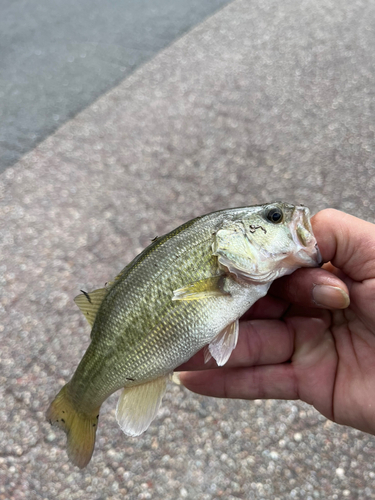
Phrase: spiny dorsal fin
pixel 89 303
pixel 202 289
pixel 109 284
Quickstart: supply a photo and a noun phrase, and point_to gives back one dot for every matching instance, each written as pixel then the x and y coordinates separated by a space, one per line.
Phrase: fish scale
pixel 183 292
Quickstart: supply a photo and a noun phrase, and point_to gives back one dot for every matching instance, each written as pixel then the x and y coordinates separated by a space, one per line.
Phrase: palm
pixel 333 363
pixel 353 333
pixel 355 346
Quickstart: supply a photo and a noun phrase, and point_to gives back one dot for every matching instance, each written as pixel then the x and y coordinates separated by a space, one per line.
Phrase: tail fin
pixel 79 427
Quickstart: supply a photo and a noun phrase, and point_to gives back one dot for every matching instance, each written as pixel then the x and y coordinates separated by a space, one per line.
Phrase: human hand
pixel 301 341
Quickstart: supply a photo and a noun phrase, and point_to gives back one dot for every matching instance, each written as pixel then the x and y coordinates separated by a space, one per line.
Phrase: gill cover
pixel 240 254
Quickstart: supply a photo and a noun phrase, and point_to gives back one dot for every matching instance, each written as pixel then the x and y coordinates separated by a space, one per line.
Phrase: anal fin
pixel 202 289
pixel 138 406
pixel 222 345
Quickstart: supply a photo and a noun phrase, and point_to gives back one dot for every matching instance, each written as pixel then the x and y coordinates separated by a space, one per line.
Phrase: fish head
pixel 267 242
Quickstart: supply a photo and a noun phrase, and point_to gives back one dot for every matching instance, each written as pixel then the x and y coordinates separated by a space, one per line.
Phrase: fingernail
pixel 331 297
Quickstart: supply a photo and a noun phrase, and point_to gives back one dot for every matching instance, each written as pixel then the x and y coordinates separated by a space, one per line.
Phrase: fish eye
pixel 275 215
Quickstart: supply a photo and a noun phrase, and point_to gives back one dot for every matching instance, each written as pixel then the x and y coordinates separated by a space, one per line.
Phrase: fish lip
pixel 319 257
pixel 308 249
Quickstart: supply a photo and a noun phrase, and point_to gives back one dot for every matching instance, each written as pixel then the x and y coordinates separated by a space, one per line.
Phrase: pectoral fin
pixel 89 303
pixel 202 289
pixel 223 344
pixel 138 406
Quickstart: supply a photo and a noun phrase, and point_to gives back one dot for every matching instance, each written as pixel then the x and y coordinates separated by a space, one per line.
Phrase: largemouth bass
pixel 185 291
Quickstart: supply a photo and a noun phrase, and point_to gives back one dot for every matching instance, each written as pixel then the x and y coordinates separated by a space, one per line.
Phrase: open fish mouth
pixel 303 236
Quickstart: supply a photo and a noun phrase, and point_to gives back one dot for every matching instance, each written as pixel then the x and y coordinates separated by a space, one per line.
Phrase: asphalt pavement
pixel 57 57
pixel 263 100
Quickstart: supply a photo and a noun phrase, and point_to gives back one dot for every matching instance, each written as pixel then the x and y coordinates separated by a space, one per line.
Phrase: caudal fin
pixel 79 427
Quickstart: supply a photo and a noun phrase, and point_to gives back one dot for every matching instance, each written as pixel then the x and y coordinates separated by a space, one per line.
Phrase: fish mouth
pixel 308 251
pixel 319 256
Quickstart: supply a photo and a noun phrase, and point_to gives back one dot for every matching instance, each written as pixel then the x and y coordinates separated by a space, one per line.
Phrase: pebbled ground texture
pixel 264 100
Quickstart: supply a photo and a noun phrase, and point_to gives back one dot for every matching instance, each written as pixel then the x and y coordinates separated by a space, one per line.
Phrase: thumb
pixel 347 242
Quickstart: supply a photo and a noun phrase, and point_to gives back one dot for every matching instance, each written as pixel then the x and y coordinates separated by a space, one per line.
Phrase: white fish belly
pixel 187 329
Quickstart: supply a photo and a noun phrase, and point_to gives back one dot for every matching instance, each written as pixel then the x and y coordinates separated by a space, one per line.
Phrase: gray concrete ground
pixel 263 101
pixel 57 57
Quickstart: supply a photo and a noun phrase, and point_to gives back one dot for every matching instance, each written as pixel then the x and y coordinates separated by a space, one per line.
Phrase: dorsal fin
pixel 89 303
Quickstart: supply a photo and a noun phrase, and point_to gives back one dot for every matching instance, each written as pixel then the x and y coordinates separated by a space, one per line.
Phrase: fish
pixel 184 292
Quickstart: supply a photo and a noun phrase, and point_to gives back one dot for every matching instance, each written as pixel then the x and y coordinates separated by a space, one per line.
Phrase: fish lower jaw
pixel 305 258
